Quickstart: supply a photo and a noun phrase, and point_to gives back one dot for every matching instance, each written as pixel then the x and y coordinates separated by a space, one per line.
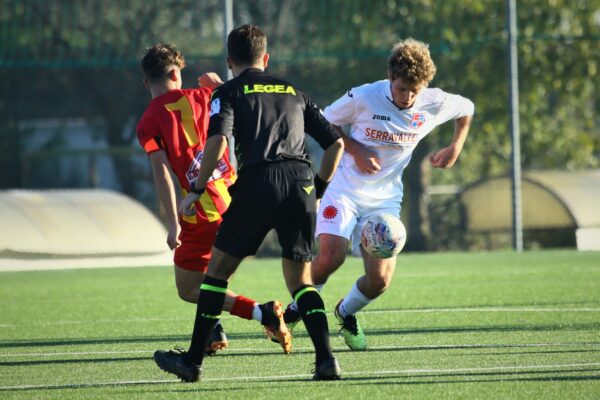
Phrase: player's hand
pixel 173 236
pixel 367 160
pixel 444 158
pixel 209 80
pixel 187 206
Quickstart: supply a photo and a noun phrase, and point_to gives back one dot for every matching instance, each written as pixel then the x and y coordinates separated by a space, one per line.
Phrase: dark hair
pixel 246 44
pixel 157 60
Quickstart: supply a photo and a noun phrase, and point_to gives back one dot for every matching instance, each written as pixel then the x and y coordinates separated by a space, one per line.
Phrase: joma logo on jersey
pixel 381 117
pixel 279 89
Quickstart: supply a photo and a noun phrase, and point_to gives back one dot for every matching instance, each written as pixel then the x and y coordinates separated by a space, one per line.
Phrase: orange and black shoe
pixel 291 317
pixel 218 340
pixel 272 320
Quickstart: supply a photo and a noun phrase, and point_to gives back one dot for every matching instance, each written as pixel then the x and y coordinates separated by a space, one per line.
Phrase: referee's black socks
pixel 208 312
pixel 311 308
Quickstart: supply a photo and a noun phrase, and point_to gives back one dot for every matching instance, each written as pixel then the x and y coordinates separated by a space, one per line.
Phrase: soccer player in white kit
pixel 387 120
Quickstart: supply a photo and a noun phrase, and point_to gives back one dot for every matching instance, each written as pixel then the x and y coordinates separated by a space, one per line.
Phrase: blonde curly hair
pixel 410 60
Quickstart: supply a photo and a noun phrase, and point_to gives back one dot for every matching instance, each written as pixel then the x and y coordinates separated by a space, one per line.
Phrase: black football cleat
pixel 327 370
pixel 174 363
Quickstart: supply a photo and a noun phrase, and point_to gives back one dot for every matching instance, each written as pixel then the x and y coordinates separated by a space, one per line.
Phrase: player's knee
pixel 379 283
pixel 188 294
pixel 330 260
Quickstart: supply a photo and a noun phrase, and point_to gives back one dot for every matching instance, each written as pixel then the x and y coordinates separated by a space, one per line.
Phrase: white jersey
pixel 392 132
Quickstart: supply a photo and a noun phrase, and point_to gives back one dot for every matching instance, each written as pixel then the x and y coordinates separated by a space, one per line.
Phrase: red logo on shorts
pixel 330 212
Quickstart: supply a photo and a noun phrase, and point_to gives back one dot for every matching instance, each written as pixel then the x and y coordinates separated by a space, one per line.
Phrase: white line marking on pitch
pixel 484 309
pixel 306 376
pixel 397 311
pixel 341 348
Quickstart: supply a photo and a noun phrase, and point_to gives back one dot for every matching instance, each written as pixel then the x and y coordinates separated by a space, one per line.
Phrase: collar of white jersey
pixel 387 92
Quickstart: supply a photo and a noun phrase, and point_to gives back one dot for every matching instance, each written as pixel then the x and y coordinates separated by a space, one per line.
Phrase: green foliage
pixel 96 33
pixel 79 59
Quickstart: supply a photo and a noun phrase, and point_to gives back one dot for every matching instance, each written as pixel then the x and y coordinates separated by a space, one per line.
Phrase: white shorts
pixel 339 215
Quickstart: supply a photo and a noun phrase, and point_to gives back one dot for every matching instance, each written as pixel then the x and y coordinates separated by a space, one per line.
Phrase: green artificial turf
pixel 468 325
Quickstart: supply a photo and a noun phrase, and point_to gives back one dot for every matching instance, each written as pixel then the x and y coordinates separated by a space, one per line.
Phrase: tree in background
pixel 79 59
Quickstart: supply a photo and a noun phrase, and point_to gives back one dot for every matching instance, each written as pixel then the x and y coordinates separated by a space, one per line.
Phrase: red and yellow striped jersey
pixel 176 122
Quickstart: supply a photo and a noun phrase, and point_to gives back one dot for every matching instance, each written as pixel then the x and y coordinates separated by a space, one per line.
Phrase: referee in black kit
pixel 268 118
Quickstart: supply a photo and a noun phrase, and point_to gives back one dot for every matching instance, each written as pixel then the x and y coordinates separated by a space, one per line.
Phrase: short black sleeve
pixel 317 126
pixel 221 113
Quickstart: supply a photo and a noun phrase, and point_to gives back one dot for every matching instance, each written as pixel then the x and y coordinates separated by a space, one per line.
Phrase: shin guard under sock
pixel 208 312
pixel 312 310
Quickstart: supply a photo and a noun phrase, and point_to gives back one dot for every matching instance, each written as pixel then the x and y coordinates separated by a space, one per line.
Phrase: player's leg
pixel 295 228
pixel 377 278
pixel 213 290
pixel 191 259
pixel 191 262
pixel 244 227
pixel 335 221
pixel 331 256
pixel 312 311
pixel 188 284
pixel 332 253
pixel 211 300
pixel 192 256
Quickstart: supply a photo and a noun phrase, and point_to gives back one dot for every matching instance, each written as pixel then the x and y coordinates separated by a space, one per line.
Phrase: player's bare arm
pixel 367 160
pixel 209 80
pixel 213 151
pixel 163 183
pixel 446 157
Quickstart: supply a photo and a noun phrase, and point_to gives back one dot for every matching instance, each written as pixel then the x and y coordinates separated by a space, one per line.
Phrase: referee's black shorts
pixel 278 196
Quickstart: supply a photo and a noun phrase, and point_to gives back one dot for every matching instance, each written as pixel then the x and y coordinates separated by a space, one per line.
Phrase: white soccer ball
pixel 383 235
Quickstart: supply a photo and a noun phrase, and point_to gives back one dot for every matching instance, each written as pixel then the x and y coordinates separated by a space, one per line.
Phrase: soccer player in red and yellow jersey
pixel 172 131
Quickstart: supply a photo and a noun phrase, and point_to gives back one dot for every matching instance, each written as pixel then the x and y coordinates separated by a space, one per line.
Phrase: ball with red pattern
pixel 383 235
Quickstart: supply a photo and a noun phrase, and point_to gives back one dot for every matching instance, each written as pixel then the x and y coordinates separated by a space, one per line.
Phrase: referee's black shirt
pixel 267 117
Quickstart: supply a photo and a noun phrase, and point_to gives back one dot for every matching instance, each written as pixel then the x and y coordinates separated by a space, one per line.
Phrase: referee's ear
pixel 265 60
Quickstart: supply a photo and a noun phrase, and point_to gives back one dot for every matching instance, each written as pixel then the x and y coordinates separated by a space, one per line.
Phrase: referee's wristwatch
pixel 197 191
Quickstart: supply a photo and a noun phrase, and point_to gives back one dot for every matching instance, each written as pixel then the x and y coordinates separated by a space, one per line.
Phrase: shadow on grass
pixel 385 379
pixel 548 304
pixel 81 386
pixel 276 352
pixel 72 361
pixel 475 377
pixel 127 359
pixel 510 353
pixel 594 326
pixel 259 335
pixel 142 339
